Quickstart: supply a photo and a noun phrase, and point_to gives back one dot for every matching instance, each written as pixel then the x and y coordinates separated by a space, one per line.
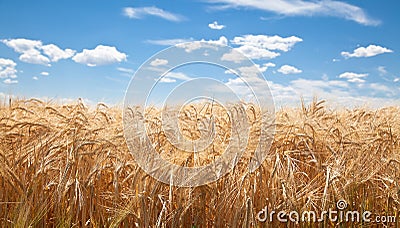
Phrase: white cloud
pixel 221 41
pixel 267 42
pixel 251 71
pixel 356 80
pixel 304 8
pixel 7 68
pixel 268 65
pixel 189 47
pixel 189 44
pixel 55 53
pixel 10 81
pixel 33 51
pixel 371 50
pixel 216 26
pixel 233 56
pixel 140 12
pixel 336 93
pixel 381 88
pixel 22 45
pixel 254 52
pixel 250 46
pixel 101 55
pixel 287 69
pixel 353 77
pixel 35 57
pixel 44 73
pixel 260 47
pixel 350 75
pixel 159 62
pixel 238 86
pixel 248 76
pixel 264 67
pixel 35 78
pixel 254 71
pixel 396 80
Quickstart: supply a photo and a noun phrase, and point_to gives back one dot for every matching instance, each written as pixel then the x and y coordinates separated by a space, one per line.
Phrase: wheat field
pixel 69 166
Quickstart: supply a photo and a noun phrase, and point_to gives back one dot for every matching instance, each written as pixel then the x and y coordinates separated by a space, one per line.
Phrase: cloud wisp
pixel 303 8
pixel 169 42
pixel 171 77
pixel 141 12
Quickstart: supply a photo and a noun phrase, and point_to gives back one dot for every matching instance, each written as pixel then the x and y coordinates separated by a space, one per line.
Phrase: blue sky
pixel 343 51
